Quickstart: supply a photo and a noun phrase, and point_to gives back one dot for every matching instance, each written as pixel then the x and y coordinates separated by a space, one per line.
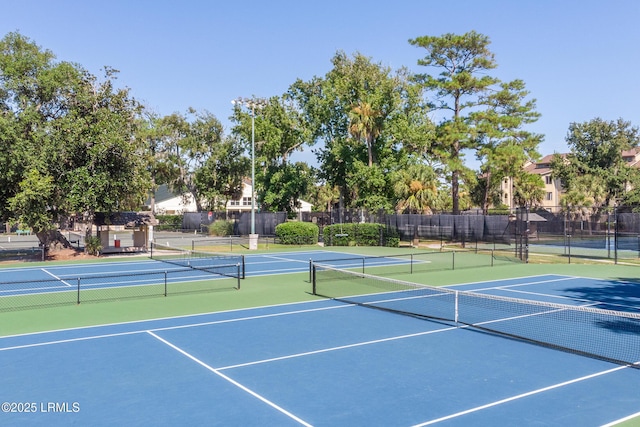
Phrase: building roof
pixel 128 219
pixel 542 166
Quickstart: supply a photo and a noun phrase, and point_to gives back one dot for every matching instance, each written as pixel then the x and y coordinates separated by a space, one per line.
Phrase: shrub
pixel 93 245
pixel 296 233
pixel 363 234
pixel 169 222
pixel 221 228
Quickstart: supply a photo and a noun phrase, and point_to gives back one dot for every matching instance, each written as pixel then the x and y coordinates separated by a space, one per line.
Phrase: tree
pixel 360 111
pixel 529 189
pixel 503 144
pixel 285 185
pixel 416 189
pixel 69 140
pixel 463 61
pixel 220 178
pixel 596 150
pixel 279 130
pixel 194 157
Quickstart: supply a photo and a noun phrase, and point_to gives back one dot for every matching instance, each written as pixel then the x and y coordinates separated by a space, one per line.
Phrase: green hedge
pixel 169 222
pixel 296 233
pixel 221 228
pixel 364 234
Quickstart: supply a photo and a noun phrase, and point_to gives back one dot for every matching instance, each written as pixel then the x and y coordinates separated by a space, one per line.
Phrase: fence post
pixel 165 283
pixel 453 260
pixel 310 268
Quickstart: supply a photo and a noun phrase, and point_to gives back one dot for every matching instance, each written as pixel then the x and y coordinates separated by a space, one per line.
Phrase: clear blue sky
pixel 578 58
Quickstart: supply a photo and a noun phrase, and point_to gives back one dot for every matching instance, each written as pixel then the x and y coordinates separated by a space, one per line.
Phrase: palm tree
pixel 529 189
pixel 364 125
pixel 416 189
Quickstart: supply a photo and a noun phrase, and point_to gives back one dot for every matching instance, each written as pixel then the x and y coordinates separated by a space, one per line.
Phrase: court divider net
pixel 223 264
pixel 608 335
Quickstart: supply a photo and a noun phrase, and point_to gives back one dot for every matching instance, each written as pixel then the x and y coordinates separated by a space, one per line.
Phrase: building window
pixel 548 179
pixel 549 196
pixel 234 203
pixel 246 201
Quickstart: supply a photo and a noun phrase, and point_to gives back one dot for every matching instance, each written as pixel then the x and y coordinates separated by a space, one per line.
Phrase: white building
pixel 169 203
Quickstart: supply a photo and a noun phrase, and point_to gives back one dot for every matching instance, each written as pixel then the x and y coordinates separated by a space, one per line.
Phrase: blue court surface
pixel 321 363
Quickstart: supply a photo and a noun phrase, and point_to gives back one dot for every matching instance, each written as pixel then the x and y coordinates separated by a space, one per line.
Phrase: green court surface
pixel 276 289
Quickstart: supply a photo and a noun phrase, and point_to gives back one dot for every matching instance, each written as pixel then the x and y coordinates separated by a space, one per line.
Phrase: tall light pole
pixel 252 104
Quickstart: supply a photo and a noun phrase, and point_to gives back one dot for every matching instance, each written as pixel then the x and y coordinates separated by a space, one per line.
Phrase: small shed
pixel 131 231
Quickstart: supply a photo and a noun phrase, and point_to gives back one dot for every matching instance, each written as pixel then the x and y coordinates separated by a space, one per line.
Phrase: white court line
pixel 516 285
pixel 56 277
pixel 341 347
pixel 168 328
pixel 616 422
pixel 237 384
pixel 520 396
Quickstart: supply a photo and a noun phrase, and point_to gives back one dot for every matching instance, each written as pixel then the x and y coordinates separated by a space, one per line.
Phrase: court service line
pixel 166 328
pixel 515 285
pixel 520 396
pixel 285 259
pixel 341 347
pixel 56 277
pixel 237 384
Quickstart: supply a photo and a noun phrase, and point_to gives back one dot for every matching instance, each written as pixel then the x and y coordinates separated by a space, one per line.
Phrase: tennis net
pixel 608 335
pixel 223 264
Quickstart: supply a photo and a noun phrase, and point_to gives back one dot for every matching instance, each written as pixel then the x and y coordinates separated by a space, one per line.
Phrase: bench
pixel 23 232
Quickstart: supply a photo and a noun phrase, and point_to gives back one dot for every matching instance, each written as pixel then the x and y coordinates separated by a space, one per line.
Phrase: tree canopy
pixel 68 139
pixel 72 143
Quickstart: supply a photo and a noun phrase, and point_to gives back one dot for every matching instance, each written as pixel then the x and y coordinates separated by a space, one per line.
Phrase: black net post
pixel 78 300
pixel 244 268
pixel 165 283
pixel 239 274
pixel 313 279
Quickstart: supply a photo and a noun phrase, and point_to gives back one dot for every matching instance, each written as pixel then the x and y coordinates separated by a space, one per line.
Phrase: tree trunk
pixel 47 238
pixel 485 200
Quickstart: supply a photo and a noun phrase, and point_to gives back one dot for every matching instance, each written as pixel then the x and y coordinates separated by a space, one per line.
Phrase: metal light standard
pixel 252 104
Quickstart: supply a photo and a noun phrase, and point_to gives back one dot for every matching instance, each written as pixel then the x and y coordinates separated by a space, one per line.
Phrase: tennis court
pixel 319 362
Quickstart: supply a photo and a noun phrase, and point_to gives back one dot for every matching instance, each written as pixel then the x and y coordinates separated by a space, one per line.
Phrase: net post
pixel 313 279
pixel 165 283
pixel 78 300
pixel 242 273
pixel 456 307
pixel 238 265
pixel 411 265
